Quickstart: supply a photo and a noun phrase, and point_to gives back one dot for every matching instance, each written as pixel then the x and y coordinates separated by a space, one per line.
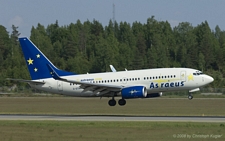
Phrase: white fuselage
pixel 155 81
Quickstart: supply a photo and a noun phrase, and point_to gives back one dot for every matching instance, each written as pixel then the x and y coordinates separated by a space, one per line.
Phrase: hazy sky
pixel 28 13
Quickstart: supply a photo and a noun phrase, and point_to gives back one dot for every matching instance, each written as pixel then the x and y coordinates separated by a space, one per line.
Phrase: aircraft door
pixel 183 76
pixel 60 85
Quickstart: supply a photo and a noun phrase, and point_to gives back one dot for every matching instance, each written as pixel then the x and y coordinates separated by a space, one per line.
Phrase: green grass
pixel 107 131
pixel 110 131
pixel 95 106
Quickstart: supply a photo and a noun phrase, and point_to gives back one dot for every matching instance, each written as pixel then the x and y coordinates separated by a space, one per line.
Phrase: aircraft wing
pixel 27 81
pixel 96 88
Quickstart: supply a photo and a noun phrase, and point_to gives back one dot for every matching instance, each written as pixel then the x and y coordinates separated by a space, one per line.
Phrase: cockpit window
pixel 198 73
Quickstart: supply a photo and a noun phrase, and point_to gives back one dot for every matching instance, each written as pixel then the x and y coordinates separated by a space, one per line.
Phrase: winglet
pixel 112 68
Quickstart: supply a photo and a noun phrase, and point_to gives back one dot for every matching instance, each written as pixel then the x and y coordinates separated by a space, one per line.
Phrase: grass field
pixel 109 131
pixel 95 106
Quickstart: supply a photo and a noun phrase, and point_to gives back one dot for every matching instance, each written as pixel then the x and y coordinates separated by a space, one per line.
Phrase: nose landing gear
pixel 190 97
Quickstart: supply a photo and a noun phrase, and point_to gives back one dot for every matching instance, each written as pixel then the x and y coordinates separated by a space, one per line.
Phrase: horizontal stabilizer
pixel 27 81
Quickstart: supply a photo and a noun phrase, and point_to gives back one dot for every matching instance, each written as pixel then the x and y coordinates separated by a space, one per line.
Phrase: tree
pixel 15 34
pixel 205 43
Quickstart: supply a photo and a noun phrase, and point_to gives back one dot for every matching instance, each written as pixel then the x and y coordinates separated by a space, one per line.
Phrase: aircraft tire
pixel 112 102
pixel 190 97
pixel 122 102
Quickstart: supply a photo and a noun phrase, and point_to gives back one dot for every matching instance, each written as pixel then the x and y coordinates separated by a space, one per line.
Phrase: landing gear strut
pixel 122 102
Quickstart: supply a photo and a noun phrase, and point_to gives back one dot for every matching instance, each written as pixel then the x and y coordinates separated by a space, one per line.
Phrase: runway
pixel 112 118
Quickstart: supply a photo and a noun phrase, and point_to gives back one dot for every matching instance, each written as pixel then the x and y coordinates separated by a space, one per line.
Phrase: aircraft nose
pixel 209 79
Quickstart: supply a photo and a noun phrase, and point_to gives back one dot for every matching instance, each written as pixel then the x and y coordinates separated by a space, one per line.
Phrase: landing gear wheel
pixel 190 97
pixel 112 102
pixel 122 102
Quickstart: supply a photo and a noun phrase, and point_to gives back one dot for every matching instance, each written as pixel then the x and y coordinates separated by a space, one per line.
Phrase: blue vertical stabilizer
pixel 37 62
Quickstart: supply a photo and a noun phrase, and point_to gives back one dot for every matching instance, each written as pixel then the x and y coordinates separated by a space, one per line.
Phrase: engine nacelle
pixel 134 92
pixel 152 95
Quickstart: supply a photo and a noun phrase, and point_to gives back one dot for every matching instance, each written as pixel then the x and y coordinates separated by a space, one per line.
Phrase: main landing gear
pixel 121 102
pixel 112 102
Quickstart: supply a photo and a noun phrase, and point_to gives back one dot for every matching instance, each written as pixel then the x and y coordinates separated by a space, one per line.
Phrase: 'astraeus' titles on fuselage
pixel 87 80
pixel 166 85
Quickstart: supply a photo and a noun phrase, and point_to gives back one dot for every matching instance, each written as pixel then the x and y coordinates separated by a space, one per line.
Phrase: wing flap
pixel 90 88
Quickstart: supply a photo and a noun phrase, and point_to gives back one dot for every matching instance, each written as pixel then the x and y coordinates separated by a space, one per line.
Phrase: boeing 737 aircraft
pixel 130 84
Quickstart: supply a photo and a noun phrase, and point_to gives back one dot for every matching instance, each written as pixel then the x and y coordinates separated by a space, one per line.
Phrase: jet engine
pixel 134 92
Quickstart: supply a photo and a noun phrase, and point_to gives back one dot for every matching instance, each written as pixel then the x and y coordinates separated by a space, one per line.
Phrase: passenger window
pixel 135 78
pixel 138 78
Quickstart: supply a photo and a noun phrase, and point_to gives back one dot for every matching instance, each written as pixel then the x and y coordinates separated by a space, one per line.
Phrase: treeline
pixel 91 47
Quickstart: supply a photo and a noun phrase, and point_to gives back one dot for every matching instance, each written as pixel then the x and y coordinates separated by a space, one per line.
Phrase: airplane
pixel 146 83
